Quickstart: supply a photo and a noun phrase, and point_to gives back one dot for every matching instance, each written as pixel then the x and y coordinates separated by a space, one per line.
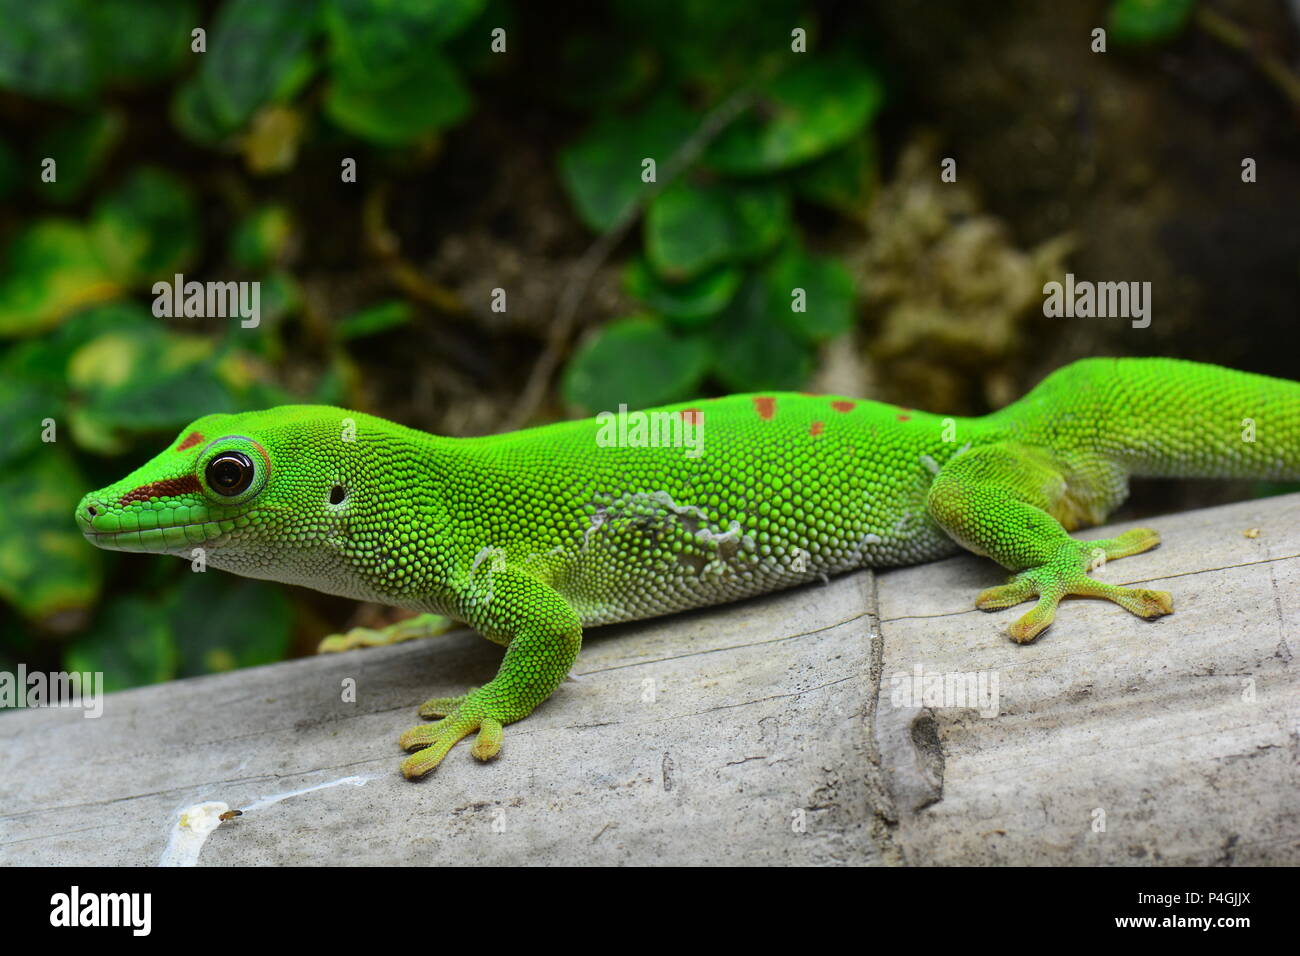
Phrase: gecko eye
pixel 230 473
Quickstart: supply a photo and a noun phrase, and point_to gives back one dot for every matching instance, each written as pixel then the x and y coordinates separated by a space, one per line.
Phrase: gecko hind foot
pixel 410 629
pixel 1067 574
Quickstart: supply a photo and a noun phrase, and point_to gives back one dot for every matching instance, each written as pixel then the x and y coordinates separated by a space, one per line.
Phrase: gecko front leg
pixel 542 634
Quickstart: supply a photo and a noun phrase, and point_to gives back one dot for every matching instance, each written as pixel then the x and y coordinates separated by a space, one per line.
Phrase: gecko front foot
pixel 1067 573
pixel 461 716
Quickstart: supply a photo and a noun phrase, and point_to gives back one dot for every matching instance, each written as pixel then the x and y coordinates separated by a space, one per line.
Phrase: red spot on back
pixel 904 418
pixel 692 416
pixel 843 406
pixel 192 439
pixel 766 406
pixel 816 428
pixel 184 485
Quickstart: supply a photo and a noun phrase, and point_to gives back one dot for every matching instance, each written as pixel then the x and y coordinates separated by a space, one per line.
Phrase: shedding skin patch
pixel 765 406
pixel 816 428
pixel 843 406
pixel 185 485
pixel 192 439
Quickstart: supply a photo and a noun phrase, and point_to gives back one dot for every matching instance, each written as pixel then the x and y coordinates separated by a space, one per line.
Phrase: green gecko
pixel 532 535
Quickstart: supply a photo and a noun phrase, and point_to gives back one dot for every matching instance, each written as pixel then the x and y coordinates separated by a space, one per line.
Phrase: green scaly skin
pixel 532 535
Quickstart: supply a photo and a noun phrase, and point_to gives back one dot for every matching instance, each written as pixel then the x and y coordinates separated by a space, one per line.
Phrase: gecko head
pixel 261 493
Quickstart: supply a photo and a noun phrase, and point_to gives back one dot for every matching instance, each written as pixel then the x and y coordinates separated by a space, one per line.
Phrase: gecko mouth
pixel 170 540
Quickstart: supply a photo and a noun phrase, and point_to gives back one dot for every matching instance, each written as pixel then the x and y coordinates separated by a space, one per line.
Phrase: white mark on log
pixel 276 798
pixel 194 824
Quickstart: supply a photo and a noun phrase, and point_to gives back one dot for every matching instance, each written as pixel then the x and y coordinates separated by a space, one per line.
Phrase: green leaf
pixel 712 45
pixel 46 49
pixel 130 644
pixel 827 294
pixel 261 238
pixel 222 622
pixel 79 147
pixel 1147 22
pixel 45 359
pixel 147 228
pixel 374 320
pixel 194 115
pixel 377 42
pixel 33 374
pixel 685 304
pixel 691 229
pixel 602 170
pixel 635 361
pixel 755 349
pixel 50 270
pixel 807 111
pixel 24 406
pixel 423 100
pixel 843 180
pixel 141 40
pixel 143 380
pixel 46 566
pixel 258 51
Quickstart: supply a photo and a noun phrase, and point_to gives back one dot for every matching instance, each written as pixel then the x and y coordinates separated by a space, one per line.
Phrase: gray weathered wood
pixel 763 732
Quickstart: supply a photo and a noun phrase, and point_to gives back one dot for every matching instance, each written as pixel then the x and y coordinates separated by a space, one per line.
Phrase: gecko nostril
pixel 92 511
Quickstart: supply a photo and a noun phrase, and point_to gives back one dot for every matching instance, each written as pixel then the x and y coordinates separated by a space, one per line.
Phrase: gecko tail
pixel 1168 418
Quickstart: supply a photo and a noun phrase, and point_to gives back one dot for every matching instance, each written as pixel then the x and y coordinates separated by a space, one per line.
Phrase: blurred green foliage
pixel 723 254
pixel 1147 22
pixel 163 139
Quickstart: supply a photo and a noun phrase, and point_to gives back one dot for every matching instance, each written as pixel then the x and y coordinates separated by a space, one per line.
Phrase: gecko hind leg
pixel 410 629
pixel 1067 574
pixel 1007 502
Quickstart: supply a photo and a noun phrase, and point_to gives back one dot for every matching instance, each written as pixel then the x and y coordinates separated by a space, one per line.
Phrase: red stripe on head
pixel 765 406
pixel 904 418
pixel 192 439
pixel 184 485
pixel 692 416
pixel 843 406
pixel 816 428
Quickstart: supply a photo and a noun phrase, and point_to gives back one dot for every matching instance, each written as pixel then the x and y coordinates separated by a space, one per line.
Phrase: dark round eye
pixel 230 473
